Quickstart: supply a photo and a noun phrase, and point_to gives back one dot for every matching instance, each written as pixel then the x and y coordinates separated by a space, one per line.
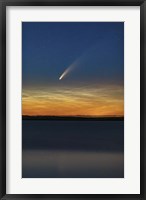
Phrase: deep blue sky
pixel 50 47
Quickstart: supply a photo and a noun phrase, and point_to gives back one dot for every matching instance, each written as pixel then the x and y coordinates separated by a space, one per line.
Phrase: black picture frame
pixel 3 125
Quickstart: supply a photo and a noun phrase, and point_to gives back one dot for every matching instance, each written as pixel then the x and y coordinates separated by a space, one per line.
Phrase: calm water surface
pixel 72 149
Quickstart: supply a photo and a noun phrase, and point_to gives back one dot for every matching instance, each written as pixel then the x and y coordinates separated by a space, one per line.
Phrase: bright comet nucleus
pixel 60 77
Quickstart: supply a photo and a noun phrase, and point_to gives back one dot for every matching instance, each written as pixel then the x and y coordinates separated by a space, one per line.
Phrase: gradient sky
pixel 93 53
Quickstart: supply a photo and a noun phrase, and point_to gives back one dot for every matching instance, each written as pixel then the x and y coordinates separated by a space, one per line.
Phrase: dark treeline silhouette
pixel 89 118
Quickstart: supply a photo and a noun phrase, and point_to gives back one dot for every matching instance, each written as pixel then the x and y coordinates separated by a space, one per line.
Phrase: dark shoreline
pixel 72 118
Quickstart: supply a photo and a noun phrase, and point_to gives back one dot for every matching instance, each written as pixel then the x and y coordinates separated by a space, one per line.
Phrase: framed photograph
pixel 72 99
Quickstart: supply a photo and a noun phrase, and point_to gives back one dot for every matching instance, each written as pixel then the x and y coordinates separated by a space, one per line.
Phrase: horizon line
pixel 89 116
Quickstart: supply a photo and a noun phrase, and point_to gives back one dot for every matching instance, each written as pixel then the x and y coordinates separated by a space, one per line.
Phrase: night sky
pixel 88 57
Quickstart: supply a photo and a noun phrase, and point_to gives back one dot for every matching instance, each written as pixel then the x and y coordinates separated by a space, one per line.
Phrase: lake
pixel 72 149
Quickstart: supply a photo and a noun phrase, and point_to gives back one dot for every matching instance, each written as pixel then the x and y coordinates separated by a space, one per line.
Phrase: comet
pixel 69 69
pixel 60 77
pixel 76 63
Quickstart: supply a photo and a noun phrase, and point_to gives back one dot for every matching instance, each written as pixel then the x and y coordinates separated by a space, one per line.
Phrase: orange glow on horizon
pixel 88 101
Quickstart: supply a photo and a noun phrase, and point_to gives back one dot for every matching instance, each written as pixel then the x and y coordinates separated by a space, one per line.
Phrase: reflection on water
pixel 63 164
pixel 73 149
